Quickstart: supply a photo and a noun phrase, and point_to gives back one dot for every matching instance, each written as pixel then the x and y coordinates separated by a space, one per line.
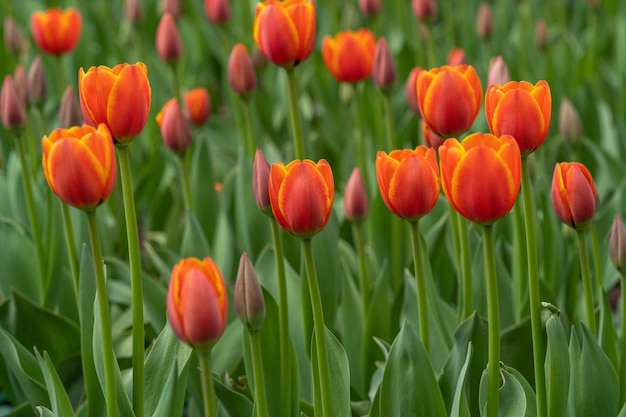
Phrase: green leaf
pixel 44 412
pixel 409 387
pixel 194 241
pixel 58 396
pixel 170 402
pixel 606 331
pixel 516 348
pixel 460 408
pixel 512 401
pixel 557 367
pixel 201 182
pixel 236 404
pixel 17 257
pixel 531 400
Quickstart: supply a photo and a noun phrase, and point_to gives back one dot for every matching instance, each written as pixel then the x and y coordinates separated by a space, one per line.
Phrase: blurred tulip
pixel 481 175
pixel 133 11
pixel 198 102
pixel 424 9
pixel 56 31
pixel 37 82
pixel 302 195
pixel 410 90
pixel 79 165
pixel 370 7
pixel 408 181
pixel 197 302
pixel 217 11
pixel 498 72
pixel 484 21
pixel 570 125
pixel 449 98
pixel 285 31
pixel 574 195
pixel 13 39
pixel 174 126
pixel 12 107
pixel 69 112
pixel 174 7
pixel 168 44
pixel 260 182
pixel 20 79
pixel 520 109
pixel 118 97
pixel 384 68
pixel 456 57
pixel 349 55
pixel 432 139
pixel 541 34
pixel 617 244
pixel 248 296
pixel 241 74
pixel 355 199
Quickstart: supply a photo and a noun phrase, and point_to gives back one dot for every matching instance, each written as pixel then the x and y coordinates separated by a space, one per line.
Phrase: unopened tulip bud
pixel 217 11
pixel 484 21
pixel 410 90
pixel 384 69
pixel 424 9
pixel 133 10
pixel 574 194
pixel 498 72
pixel 570 126
pixel 172 6
pixel 174 127
pixel 69 112
pixel 12 107
pixel 241 75
pixel 431 139
pixel 355 200
pixel 37 82
pixel 370 7
pixel 456 57
pixel 617 245
pixel 20 79
pixel 541 34
pixel 13 39
pixel 168 42
pixel 260 182
pixel 248 296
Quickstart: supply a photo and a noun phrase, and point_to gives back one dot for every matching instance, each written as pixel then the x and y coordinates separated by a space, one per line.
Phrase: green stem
pixel 32 216
pixel 390 133
pixel 622 386
pixel 61 83
pixel 70 244
pixel 208 392
pixel 533 291
pixel 359 138
pixel 364 280
pixel 320 331
pixel 184 178
pixel 597 265
pixel 587 287
pixel 420 281
pixel 283 313
pixel 108 355
pixel 466 262
pixel 493 366
pixel 259 379
pixel 294 115
pixel 519 250
pixel 136 286
pixel 250 142
pixel 428 44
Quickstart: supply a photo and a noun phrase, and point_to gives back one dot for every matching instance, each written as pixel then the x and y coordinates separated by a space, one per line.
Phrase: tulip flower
pixel 424 9
pixel 456 56
pixel 36 81
pixel 20 79
pixel 69 112
pixel 570 125
pixel 521 110
pixel 175 7
pixel 79 165
pixel 241 75
pixel 197 302
pixel 301 194
pixel 574 195
pixel 449 98
pixel 56 31
pixel 355 199
pixel 174 126
pixel 285 31
pixel 408 181
pixel 541 34
pixel 498 71
pixel 484 21
pixel 260 182
pixel 198 102
pixel 384 68
pixel 370 7
pixel 133 10
pixel 349 55
pixel 217 11
pixel 13 39
pixel 119 97
pixel 617 245
pixel 481 175
pixel 248 296
pixel 12 108
pixel 168 43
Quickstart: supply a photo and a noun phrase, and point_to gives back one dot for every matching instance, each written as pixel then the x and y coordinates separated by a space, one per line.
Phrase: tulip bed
pixel 323 228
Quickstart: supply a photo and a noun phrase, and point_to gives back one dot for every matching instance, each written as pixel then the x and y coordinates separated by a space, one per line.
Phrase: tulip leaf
pixel 460 407
pixel 557 367
pixel 409 387
pixel 171 398
pixel 606 331
pixel 201 182
pixel 16 255
pixel 236 404
pixel 514 398
pixel 516 346
pixel 623 412
pixel 325 249
pixel 194 241
pixel 58 396
pixel 44 412
pixel 531 400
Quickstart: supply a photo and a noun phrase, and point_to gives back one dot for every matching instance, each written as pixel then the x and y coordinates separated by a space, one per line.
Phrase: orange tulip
pixel 301 195
pixel 349 55
pixel 449 98
pixel 197 302
pixel 198 102
pixel 574 195
pixel 79 165
pixel 56 31
pixel 119 97
pixel 408 181
pixel 285 31
pixel 481 175
pixel 520 109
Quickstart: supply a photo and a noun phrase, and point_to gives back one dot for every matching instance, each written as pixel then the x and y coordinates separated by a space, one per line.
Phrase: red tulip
pixel 349 55
pixel 574 195
pixel 56 31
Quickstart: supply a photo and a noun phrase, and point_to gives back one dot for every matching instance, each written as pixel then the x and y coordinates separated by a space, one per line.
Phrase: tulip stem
pixel 136 287
pixel 622 389
pixel 420 281
pixel 208 392
pixel 519 251
pixel 184 178
pixel 70 244
pixel 359 138
pixel 283 324
pixel 259 377
pixel 389 126
pixel 364 281
pixel 320 330
pixel 493 365
pixel 294 114
pixel 587 287
pixel 248 127
pixel 466 263
pixel 597 265
pixel 108 355
pixel 533 291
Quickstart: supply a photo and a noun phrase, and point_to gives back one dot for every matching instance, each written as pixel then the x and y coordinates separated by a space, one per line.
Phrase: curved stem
pixel 534 298
pixel 466 262
pixel 320 330
pixel 70 244
pixel 259 378
pixel 364 280
pixel 108 355
pixel 587 287
pixel 136 286
pixel 597 265
pixel 208 392
pixel 184 178
pixel 294 115
pixel 420 281
pixel 283 324
pixel 493 366
pixel 250 142
pixel 622 387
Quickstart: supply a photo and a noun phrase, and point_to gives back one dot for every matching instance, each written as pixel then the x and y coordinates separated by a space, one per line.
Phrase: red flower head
pixel 349 55
pixel 574 195
pixel 56 31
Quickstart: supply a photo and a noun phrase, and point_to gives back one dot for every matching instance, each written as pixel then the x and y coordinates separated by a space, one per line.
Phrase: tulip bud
pixel 456 57
pixel 168 43
pixel 13 39
pixel 574 194
pixel 498 72
pixel 37 82
pixel 69 113
pixel 174 127
pixel 410 90
pixel 260 182
pixel 617 245
pixel 12 107
pixel 174 7
pixel 370 7
pixel 424 9
pixel 20 78
pixel 570 126
pixel 355 200
pixel 384 69
pixel 431 139
pixel 248 296
pixel 241 75
pixel 594 3
pixel 484 21
pixel 541 34
pixel 217 11
pixel 133 10
pixel 198 102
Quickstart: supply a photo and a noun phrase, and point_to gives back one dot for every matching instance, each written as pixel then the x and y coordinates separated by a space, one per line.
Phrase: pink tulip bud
pixel 174 127
pixel 260 182
pixel 355 200
pixel 13 39
pixel 69 113
pixel 410 90
pixel 248 296
pixel 384 69
pixel 498 72
pixel 217 11
pixel 133 10
pixel 241 75
pixel 370 7
pixel 424 9
pixel 172 6
pixel 484 21
pixel 617 245
pixel 570 125
pixel 168 42
pixel 12 107
pixel 37 82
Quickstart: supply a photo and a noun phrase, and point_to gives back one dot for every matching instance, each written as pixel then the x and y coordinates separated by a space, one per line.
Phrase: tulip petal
pixel 129 102
pixel 276 35
pixel 385 170
pixel 559 196
pixel 278 172
pixel 302 14
pixel 414 188
pixel 519 115
pixel 580 195
pixel 203 319
pixel 450 153
pixel 95 87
